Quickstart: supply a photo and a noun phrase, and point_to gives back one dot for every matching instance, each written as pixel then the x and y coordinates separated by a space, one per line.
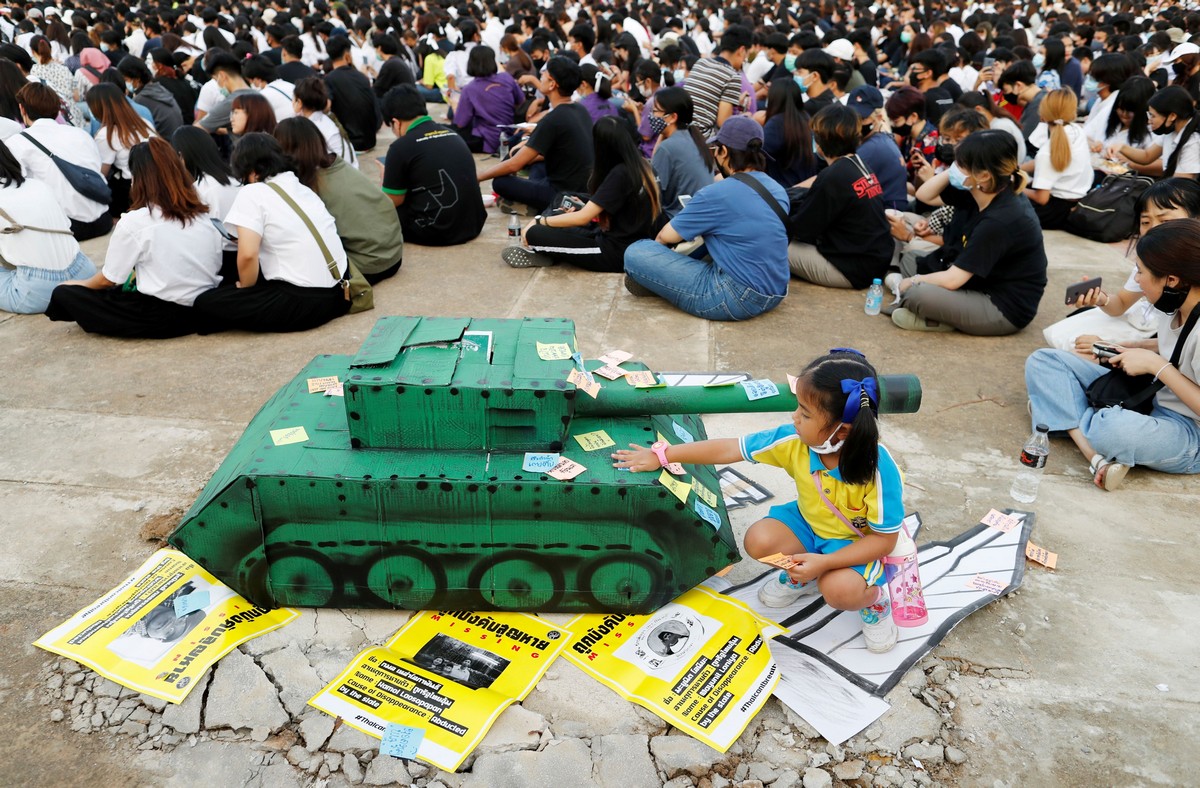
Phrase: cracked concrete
pixel 1054 685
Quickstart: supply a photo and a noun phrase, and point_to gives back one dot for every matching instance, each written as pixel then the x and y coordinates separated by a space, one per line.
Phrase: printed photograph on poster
pixel 461 663
pixel 154 635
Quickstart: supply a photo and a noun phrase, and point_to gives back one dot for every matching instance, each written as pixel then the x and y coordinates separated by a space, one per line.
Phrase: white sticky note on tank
pixel 759 389
pixel 539 463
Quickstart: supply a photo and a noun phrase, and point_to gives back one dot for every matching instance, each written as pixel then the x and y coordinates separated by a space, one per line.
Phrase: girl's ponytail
pixel 843 384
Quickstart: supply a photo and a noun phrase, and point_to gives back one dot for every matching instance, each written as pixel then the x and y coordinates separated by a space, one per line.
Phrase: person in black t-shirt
pixel 352 100
pixel 924 71
pixel 840 235
pixel 992 285
pixel 430 175
pixel 558 153
pixel 394 70
pixel 293 70
pixel 623 206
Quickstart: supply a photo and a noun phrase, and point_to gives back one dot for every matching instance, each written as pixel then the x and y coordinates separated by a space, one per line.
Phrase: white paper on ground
pixel 826 701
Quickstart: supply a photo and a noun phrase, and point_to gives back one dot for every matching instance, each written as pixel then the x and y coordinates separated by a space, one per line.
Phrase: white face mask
pixel 827 447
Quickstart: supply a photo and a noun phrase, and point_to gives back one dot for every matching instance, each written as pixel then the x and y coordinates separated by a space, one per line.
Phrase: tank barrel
pixel 897 394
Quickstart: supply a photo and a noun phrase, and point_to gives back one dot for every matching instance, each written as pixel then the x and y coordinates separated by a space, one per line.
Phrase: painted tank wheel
pixel 297 576
pixel 518 580
pixel 623 582
pixel 408 579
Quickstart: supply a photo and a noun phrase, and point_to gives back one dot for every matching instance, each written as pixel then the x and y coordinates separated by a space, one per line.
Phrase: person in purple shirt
pixel 487 102
pixel 596 93
pixel 648 78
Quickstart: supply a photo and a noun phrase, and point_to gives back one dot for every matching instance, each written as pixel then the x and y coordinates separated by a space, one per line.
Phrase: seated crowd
pixel 708 157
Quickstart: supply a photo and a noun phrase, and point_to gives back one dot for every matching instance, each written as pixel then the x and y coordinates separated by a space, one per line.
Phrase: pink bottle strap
pixel 816 477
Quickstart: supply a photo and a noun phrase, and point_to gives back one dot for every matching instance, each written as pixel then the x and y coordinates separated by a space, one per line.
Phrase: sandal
pixel 1107 474
pixel 520 257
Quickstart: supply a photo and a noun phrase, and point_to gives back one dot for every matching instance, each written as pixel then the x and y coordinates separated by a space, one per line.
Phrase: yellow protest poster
pixel 449 674
pixel 162 627
pixel 701 662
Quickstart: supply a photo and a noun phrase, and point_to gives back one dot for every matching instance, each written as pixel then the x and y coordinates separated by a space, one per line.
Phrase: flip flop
pixel 520 257
pixel 1107 474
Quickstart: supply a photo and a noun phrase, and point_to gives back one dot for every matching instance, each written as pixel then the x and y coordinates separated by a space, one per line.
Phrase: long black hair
pixel 1056 56
pixel 614 144
pixel 820 383
pixel 784 98
pixel 678 102
pixel 1133 96
pixel 259 154
pixel 1174 100
pixel 10 168
pixel 200 155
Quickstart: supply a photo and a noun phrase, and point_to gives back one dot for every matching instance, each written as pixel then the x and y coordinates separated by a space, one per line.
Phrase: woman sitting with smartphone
pixel 1114 439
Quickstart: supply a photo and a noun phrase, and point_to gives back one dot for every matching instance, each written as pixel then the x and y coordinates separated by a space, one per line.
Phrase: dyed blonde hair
pixel 1057 110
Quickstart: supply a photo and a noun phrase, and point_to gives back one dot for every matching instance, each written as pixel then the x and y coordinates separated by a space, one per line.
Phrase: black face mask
pixel 1011 98
pixel 904 130
pixel 537 64
pixel 1172 299
pixel 945 153
pixel 1165 128
pixel 915 80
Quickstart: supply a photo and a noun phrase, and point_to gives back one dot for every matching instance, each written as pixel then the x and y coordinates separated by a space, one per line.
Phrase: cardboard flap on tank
pixel 531 370
pixel 385 341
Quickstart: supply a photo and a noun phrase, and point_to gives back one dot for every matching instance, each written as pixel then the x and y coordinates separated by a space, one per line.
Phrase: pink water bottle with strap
pixel 904 583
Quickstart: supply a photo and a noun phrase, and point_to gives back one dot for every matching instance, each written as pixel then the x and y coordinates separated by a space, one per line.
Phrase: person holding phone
pixel 166 241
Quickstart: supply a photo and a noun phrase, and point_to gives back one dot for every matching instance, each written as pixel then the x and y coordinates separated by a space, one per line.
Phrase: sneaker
pixel 511 207
pixel 879 630
pixel 520 257
pixel 911 321
pixel 636 288
pixel 781 591
pixel 1107 474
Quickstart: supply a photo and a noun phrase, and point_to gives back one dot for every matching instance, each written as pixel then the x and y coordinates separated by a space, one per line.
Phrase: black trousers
pixel 85 231
pixel 117 313
pixel 1053 215
pixel 271 306
pixel 386 273
pixel 474 143
pixel 577 246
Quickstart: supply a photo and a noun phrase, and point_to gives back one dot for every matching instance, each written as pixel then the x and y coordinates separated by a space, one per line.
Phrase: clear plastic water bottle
pixel 514 230
pixel 874 297
pixel 904 583
pixel 1033 464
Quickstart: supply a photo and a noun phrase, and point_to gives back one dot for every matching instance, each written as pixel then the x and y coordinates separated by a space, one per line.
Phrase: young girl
pixel 849 505
pixel 1062 169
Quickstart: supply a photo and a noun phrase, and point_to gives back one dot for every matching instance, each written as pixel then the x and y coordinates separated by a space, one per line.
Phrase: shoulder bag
pixel 88 183
pixel 1135 392
pixel 1108 213
pixel 752 182
pixel 355 287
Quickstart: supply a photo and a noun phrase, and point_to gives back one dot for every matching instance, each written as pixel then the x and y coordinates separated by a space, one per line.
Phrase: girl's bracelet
pixel 1160 371
pixel 1107 299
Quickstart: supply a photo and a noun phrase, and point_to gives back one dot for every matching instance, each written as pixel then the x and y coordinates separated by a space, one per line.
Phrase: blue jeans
pixel 698 287
pixel 431 95
pixel 26 290
pixel 1057 382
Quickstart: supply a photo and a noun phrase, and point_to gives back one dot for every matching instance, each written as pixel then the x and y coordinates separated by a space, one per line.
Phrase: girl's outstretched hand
pixel 808 567
pixel 640 459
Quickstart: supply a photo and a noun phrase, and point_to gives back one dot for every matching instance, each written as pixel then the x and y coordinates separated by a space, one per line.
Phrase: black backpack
pixel 1108 213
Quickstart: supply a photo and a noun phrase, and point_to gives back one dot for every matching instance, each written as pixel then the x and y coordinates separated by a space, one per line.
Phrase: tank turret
pixel 412 490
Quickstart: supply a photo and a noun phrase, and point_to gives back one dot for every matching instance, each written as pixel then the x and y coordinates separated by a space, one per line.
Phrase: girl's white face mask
pixel 827 447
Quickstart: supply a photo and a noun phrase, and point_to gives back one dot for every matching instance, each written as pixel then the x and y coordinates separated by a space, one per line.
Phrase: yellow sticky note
pixel 566 470
pixel 553 351
pixel 1041 555
pixel 643 379
pixel 678 487
pixel 321 384
pixel 704 494
pixel 591 441
pixel 289 435
pixel 609 371
pixel 582 383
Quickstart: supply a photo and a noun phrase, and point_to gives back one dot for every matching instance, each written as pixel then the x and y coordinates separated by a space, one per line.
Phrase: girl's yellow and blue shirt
pixel 878 505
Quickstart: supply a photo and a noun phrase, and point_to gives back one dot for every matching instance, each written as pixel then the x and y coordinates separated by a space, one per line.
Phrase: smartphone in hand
pixel 1081 289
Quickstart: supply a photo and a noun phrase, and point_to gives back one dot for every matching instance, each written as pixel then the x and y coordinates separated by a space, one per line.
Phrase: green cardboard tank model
pixel 409 491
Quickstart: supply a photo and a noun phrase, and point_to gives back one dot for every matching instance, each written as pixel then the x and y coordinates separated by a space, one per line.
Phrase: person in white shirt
pixel 1062 169
pixel 168 243
pixel 39 106
pixel 35 240
pixel 1109 73
pixel 1175 151
pixel 214 183
pixel 285 282
pixel 120 129
pixel 311 99
pixel 260 73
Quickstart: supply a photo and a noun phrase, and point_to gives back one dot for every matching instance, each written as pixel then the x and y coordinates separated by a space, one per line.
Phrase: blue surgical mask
pixel 129 87
pixel 1091 85
pixel 789 62
pixel 1039 60
pixel 679 75
pixel 958 178
pixel 802 82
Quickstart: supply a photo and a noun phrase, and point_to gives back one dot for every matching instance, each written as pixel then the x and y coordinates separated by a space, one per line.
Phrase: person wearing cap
pixel 842 52
pixel 744 272
pixel 1184 62
pixel 840 234
pixel 879 149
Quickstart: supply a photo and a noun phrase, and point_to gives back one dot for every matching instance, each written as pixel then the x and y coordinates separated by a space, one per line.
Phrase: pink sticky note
pixel 792 380
pixel 675 468
pixel 1041 555
pixel 615 357
pixel 566 470
pixel 582 383
pixel 1000 521
pixel 989 584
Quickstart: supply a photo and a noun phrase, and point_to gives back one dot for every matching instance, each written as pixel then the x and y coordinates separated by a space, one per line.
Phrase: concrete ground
pixel 101 434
